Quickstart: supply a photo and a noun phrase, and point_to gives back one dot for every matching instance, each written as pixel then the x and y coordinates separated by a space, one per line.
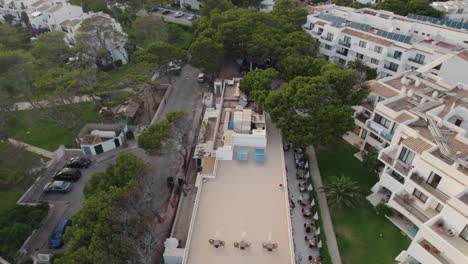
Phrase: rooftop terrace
pixel 243 202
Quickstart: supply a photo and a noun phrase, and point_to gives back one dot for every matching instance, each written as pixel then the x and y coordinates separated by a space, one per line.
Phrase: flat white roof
pixel 244 202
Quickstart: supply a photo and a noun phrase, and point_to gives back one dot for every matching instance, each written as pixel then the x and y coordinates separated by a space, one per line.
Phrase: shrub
pixel 170 182
pixel 383 209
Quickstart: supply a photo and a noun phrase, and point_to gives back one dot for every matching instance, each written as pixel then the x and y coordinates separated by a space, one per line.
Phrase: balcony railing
pixel 426 186
pixel 361 117
pixel 387 159
pixel 394 57
pixel 402 168
pixel 342 43
pixel 433 251
pixel 393 69
pixel 326 38
pixel 396 176
pixel 407 205
pixel 342 52
pixel 386 135
pixel 416 61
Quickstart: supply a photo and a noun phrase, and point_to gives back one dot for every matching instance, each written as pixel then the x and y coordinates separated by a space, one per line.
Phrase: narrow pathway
pixel 324 210
pixel 33 149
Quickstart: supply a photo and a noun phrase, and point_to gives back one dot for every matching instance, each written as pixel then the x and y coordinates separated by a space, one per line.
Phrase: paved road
pixel 170 17
pixel 186 96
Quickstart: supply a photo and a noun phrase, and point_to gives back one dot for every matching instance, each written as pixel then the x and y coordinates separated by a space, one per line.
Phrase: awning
pixel 259 155
pixel 243 154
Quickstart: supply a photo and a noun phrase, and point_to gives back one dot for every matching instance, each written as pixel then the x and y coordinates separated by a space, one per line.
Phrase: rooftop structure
pixel 390 43
pixel 418 122
pixel 240 214
pixel 454 10
pixel 95 139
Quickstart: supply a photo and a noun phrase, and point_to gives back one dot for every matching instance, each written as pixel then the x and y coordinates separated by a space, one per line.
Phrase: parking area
pixel 175 16
pixel 186 96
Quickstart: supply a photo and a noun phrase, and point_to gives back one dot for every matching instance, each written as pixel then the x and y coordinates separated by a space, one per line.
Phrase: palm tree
pixel 342 192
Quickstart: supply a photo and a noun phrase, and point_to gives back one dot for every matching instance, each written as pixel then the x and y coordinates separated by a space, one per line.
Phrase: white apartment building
pixel 48 15
pixel 116 46
pixel 14 8
pixel 419 123
pixel 390 43
pixel 454 10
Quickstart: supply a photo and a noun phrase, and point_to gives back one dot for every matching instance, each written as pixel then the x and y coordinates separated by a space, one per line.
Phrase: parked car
pixel 201 77
pixel 57 187
pixel 178 14
pixel 56 238
pixel 78 163
pixel 154 9
pixel 67 174
pixel 166 12
pixel 191 17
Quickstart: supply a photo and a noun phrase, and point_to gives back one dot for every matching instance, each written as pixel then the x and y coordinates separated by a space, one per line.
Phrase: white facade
pixel 50 14
pixel 14 8
pixel 454 10
pixel 390 43
pixel 419 123
pixel 95 139
pixel 117 50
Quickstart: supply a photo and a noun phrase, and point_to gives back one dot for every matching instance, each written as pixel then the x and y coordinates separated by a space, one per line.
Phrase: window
pixel 397 54
pixel 397 28
pixel 416 31
pixel 347 40
pixel 362 44
pixel 374 61
pixel 329 36
pixel 327 47
pixel 342 61
pixel 439 207
pixel 406 156
pixel 421 196
pixel 434 180
pixel 382 120
pixel 419 58
pixel 374 136
pixel 378 49
pixel 364 134
pixel 392 131
pixel 460 11
pixel 464 233
pixel 359 56
pixel 397 176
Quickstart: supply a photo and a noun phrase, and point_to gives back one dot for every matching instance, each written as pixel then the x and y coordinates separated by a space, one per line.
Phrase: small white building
pixel 95 139
pixel 454 10
pixel 172 253
pixel 48 15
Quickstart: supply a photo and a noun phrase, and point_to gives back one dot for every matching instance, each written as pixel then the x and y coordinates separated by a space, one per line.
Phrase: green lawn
pixel 358 229
pixel 8 199
pixel 27 126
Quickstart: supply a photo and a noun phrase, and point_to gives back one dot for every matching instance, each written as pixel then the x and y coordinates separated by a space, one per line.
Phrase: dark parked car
pixel 154 9
pixel 58 187
pixel 55 239
pixel 67 174
pixel 166 12
pixel 78 163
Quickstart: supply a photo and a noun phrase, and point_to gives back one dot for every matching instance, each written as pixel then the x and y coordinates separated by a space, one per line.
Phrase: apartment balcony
pixel 402 168
pixel 393 69
pixel 408 205
pixel 391 56
pixel 426 253
pixel 326 39
pixel 392 183
pixel 416 61
pixel 388 158
pixel 386 135
pixel 453 240
pixel 342 52
pixel 361 117
pixel 427 187
pixel 345 44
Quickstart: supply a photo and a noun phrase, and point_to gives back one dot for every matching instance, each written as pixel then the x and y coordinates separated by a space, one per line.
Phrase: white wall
pixel 249 140
pixel 106 145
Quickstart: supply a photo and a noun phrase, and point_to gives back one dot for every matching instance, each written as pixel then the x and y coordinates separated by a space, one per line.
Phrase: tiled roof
pixel 367 37
pixel 463 55
pixel 416 144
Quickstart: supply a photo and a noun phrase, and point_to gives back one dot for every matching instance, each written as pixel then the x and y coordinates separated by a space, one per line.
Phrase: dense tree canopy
pixel 207 54
pixel 401 7
pixel 156 135
pixel 51 50
pixel 9 37
pixel 149 29
pixel 158 52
